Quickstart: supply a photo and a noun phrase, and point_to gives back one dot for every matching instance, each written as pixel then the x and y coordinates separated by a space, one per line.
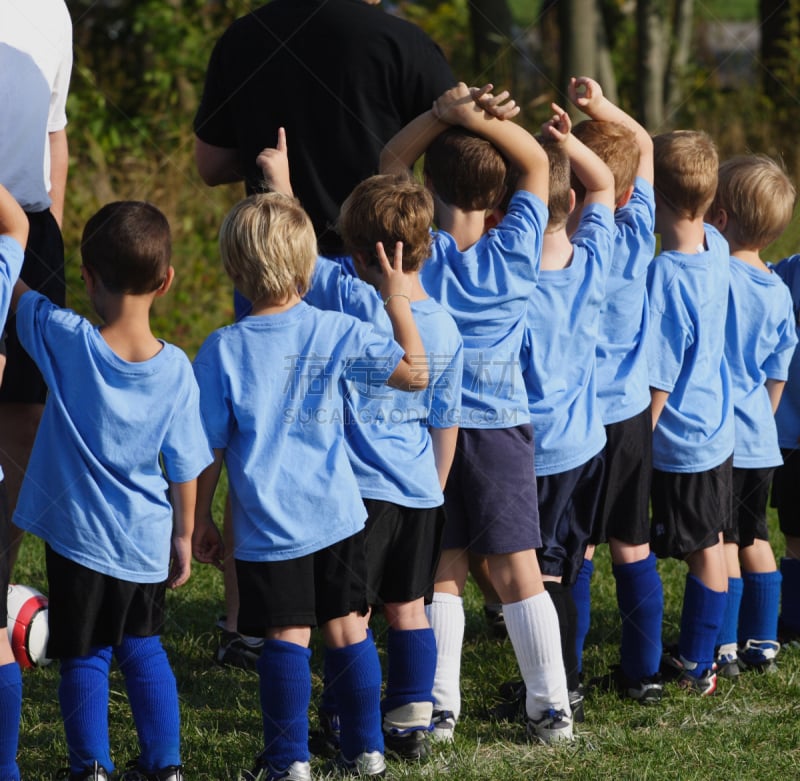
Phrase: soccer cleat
pixel 647 691
pixel 576 698
pixel 135 773
pixel 512 702
pixel 553 726
pixel 330 730
pixel 94 773
pixel 704 684
pixel 410 745
pixel 443 726
pixel 728 665
pixel 265 771
pixel 759 655
pixel 235 650
pixel 368 763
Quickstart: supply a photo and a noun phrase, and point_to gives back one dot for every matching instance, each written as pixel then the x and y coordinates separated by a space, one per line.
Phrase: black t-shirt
pixel 341 76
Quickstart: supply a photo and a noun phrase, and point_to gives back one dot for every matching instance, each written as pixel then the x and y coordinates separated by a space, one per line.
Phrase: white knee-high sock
pixel 533 629
pixel 446 617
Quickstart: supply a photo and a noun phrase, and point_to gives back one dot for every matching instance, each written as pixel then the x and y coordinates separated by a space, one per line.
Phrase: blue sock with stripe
pixel 581 595
pixel 412 665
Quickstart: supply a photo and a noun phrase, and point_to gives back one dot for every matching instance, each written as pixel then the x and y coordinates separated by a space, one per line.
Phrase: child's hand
pixel 456 105
pixel 274 164
pixel 180 562
pixel 501 106
pixel 394 281
pixel 585 93
pixel 559 126
pixel 207 545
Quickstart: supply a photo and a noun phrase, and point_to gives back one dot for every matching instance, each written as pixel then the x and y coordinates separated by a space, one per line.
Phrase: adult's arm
pixel 217 164
pixel 59 164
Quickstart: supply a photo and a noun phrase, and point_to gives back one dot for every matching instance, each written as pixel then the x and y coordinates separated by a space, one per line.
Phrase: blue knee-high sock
pixel 790 594
pixel 728 632
pixel 640 597
pixel 758 619
pixel 700 622
pixel 285 688
pixel 10 713
pixel 83 696
pixel 153 696
pixel 412 665
pixel 581 595
pixel 356 678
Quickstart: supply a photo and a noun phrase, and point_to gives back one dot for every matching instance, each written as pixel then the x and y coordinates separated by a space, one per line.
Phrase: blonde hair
pixel 616 146
pixel 686 164
pixel 388 208
pixel 268 247
pixel 758 198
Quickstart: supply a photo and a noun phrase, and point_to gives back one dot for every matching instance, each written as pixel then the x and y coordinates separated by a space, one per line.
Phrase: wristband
pixel 395 295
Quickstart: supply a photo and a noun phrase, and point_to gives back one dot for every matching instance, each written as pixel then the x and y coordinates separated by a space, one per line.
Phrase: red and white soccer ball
pixel 28 628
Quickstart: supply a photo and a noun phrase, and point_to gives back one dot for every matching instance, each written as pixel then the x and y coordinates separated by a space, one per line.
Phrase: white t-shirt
pixel 35 68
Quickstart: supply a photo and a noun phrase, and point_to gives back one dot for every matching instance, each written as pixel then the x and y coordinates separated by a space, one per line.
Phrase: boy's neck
pixel 683 234
pixel 466 227
pixel 126 328
pixel 267 306
pixel 557 249
pixel 750 256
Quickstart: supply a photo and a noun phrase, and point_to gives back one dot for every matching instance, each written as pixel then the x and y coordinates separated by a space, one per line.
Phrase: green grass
pixel 749 730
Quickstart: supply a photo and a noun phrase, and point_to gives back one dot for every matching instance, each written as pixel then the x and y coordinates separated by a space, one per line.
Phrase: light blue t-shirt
pixel 11 256
pixel 686 356
pixel 486 289
pixel 272 397
pixel 94 488
pixel 623 390
pixel 787 418
pixel 759 343
pixel 387 430
pixel 559 355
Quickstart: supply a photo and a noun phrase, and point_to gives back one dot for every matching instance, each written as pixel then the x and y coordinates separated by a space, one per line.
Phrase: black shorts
pixel 786 493
pixel 402 547
pixel 750 497
pixel 307 591
pixel 490 496
pixel 42 270
pixel 568 503
pixel 624 512
pixel 5 550
pixel 88 609
pixel 690 510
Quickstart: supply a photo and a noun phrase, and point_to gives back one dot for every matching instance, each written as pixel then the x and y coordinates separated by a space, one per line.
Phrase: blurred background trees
pixel 731 67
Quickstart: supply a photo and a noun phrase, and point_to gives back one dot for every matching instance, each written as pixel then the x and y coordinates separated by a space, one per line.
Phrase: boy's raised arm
pixel 588 96
pixel 274 165
pixel 592 172
pixel 410 143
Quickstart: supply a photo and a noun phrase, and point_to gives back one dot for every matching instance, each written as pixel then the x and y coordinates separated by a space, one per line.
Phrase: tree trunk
pixel 652 40
pixel 679 56
pixel 493 51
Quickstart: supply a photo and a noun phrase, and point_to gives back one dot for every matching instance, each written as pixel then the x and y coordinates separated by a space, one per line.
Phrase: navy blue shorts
pixel 568 503
pixel 490 497
pixel 624 512
pixel 403 546
pixel 786 493
pixel 750 497
pixel 42 270
pixel 307 591
pixel 690 510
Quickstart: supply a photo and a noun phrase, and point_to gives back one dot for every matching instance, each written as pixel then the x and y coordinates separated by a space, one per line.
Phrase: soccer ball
pixel 28 628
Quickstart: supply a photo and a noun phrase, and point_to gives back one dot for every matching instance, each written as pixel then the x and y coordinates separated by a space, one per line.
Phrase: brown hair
pixel 758 198
pixel 128 245
pixel 686 165
pixel 268 247
pixel 559 189
pixel 616 146
pixel 388 208
pixel 465 170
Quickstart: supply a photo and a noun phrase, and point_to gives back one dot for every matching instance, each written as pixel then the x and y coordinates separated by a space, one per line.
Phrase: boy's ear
pixel 626 196
pixel 572 200
pixel 718 218
pixel 166 283
pixel 87 275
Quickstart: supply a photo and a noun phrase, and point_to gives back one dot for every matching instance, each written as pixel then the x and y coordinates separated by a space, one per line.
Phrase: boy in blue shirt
pixel 120 404
pixel 485 281
pixel 623 398
pixel 13 235
pixel 786 483
pixel 559 371
pixel 691 393
pixel 272 401
pixel 753 205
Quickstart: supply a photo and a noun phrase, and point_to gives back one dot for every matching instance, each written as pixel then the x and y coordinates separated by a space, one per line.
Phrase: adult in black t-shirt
pixel 341 76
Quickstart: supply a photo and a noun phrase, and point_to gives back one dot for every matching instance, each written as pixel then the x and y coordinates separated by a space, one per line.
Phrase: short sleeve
pixel 669 335
pixel 215 408
pixel 776 367
pixel 445 409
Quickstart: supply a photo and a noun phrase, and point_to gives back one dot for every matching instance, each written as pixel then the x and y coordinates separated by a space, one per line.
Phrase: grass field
pixel 749 730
